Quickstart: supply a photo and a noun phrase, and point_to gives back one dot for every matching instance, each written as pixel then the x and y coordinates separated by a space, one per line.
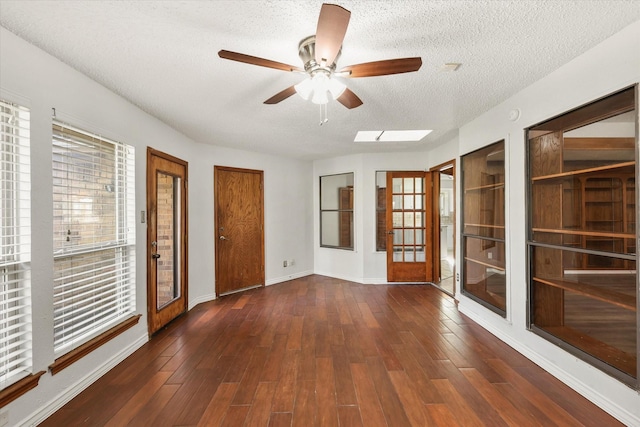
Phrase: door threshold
pixel 235 291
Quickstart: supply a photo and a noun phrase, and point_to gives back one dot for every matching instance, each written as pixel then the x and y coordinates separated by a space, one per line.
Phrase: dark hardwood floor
pixel 326 352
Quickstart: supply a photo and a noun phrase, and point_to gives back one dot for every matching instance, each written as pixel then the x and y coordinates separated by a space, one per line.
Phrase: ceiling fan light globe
pixel 320 97
pixel 304 89
pixel 336 88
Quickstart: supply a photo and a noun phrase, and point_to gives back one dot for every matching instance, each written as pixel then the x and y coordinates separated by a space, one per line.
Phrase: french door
pixel 166 238
pixel 409 227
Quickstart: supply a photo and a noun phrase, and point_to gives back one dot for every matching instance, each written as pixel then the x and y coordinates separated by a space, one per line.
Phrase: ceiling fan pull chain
pixel 323 114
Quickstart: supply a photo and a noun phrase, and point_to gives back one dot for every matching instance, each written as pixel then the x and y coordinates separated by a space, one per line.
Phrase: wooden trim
pixel 86 348
pixel 449 165
pixel 19 388
pixel 163 155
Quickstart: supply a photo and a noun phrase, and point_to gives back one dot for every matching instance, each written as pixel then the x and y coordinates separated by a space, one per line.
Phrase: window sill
pixel 19 388
pixel 76 354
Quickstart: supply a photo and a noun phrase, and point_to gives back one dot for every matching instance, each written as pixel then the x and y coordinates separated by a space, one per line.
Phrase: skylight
pixel 391 135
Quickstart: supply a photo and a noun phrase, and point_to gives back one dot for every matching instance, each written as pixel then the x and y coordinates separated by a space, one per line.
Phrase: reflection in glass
pixel 168 238
pixel 409 219
pixel 483 245
pixel 408 185
pixel 397 185
pixel 408 202
pixel 336 211
pixel 408 237
pixel 397 202
pixel 582 235
pixel 418 219
pixel 397 219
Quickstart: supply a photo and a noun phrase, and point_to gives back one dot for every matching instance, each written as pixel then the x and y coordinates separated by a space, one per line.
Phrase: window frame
pixel 118 283
pixel 590 113
pixel 488 242
pixel 339 211
pixel 16 343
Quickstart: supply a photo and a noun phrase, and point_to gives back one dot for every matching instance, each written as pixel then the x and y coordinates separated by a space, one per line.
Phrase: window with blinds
pixel 15 245
pixel 93 235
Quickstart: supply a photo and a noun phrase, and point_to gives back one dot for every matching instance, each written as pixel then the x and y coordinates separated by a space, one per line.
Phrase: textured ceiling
pixel 162 56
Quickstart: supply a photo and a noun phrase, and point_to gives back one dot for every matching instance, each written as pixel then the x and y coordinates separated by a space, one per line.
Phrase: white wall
pixel 36 80
pixel 364 264
pixel 608 67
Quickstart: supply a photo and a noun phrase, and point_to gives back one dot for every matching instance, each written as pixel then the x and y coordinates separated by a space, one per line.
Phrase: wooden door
pixel 239 224
pixel 409 227
pixel 166 238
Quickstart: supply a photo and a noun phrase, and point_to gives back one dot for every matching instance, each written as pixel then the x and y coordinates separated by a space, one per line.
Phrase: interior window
pixel 336 211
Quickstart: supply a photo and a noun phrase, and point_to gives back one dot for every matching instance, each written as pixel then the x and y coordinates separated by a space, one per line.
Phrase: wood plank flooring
pixel 326 352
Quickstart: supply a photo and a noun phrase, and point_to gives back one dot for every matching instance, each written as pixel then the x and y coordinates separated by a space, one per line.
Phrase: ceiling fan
pixel 319 54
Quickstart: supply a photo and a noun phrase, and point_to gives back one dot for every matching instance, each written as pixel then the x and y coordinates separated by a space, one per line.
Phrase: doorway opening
pixel 444 223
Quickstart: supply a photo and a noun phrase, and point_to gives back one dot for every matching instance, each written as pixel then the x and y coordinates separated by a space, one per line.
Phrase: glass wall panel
pixel 336 211
pixel 483 227
pixel 582 233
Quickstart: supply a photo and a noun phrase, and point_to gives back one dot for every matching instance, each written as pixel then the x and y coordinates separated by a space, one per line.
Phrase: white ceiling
pixel 162 56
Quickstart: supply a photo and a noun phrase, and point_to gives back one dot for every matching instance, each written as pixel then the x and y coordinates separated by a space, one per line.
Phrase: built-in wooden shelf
pixel 602 294
pixel 485 187
pixel 584 171
pixel 582 210
pixel 483 200
pixel 585 233
pixel 484 263
pixel 485 226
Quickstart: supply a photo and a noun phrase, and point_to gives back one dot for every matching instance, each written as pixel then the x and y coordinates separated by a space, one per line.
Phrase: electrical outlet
pixel 291 262
pixel 284 263
pixel 490 255
pixel 457 277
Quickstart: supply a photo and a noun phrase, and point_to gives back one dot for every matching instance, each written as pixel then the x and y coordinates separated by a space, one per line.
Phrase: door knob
pixel 155 256
pixel 223 238
pixel 390 232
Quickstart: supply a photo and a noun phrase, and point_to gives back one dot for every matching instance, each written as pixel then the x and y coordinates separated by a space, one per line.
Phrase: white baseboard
pixel 606 403
pixel 70 392
pixel 200 300
pixel 288 277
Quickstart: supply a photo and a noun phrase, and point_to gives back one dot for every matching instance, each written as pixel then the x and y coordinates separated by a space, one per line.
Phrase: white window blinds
pixel 93 235
pixel 15 245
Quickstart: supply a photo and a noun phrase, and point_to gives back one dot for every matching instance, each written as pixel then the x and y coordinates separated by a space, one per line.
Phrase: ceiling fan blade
pixel 281 96
pixel 349 99
pixel 382 68
pixel 254 60
pixel 332 26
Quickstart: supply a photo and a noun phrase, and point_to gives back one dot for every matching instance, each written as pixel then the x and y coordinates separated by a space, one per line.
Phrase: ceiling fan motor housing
pixel 307 53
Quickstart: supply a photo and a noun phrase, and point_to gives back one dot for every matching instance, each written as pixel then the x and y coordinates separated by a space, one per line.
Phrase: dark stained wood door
pixel 166 238
pixel 409 227
pixel 239 225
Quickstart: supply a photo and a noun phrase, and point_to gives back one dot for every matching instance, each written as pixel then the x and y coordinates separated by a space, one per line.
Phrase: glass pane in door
pixel 407 219
pixel 168 239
